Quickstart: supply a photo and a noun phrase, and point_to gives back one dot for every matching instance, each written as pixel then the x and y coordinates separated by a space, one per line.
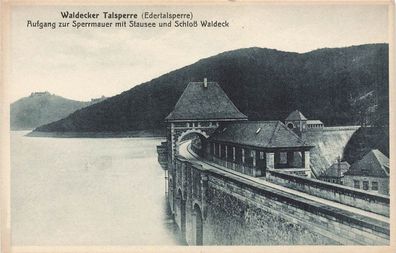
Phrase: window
pixel 365 185
pixel 283 158
pixel 243 155
pixel 297 160
pixel 374 186
pixel 356 184
pixel 261 155
pixel 233 153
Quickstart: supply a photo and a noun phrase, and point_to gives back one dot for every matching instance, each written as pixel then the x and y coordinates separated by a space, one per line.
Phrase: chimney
pixel 339 166
pixel 205 82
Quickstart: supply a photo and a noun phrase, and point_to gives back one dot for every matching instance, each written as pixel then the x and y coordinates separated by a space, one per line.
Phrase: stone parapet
pixel 372 202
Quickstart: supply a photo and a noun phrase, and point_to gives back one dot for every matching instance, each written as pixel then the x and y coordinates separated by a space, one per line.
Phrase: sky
pixel 87 63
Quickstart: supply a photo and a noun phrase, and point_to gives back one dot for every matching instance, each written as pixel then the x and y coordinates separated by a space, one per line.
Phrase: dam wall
pixel 329 144
pixel 214 207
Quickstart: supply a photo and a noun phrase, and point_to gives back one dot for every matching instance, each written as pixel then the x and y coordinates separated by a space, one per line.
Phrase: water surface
pixel 71 191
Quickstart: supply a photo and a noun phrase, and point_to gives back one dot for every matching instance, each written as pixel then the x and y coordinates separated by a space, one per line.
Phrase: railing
pixel 337 128
pixel 241 168
pixel 352 226
pixel 295 171
pixel 372 202
pixel 195 127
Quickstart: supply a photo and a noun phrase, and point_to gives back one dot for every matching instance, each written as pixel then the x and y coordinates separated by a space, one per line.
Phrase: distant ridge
pixel 329 84
pixel 42 108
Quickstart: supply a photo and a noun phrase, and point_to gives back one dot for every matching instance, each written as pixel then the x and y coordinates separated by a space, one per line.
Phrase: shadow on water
pixel 171 225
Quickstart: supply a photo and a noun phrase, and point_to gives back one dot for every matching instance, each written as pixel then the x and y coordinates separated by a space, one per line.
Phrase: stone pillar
pixel 307 162
pixel 214 149
pixel 204 189
pixel 184 178
pixel 172 142
pixel 226 156
pixel 290 159
pixel 306 159
pixel 270 160
pixel 254 163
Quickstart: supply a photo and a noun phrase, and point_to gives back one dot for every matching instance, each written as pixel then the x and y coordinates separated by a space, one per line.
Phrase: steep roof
pixel 296 115
pixel 264 134
pixel 332 171
pixel 373 164
pixel 205 103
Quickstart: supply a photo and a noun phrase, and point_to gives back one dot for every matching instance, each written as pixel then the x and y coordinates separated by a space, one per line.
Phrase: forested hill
pixel 339 86
pixel 42 108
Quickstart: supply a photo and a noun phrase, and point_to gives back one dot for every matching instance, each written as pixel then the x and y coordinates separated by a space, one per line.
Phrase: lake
pixel 88 191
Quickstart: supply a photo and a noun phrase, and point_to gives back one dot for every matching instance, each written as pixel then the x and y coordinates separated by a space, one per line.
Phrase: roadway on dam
pixel 186 152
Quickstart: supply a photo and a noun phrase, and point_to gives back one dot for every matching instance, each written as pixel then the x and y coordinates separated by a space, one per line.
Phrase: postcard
pixel 154 126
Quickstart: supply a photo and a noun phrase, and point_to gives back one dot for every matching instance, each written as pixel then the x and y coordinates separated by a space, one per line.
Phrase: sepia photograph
pixel 226 123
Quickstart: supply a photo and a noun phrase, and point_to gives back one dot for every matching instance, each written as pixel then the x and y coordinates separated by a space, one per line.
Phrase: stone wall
pixel 286 219
pixel 232 221
pixel 187 195
pixel 358 198
pixel 236 211
pixel 162 151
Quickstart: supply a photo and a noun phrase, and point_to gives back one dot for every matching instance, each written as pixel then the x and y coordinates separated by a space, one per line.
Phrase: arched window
pixel 198 222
